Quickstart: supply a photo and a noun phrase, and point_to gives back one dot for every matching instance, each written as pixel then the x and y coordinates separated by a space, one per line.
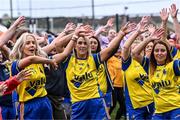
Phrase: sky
pixel 81 8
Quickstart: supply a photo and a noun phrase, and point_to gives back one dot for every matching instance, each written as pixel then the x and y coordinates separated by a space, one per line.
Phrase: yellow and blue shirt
pixel 175 54
pixel 138 91
pixel 166 87
pixel 82 77
pixel 102 78
pixel 35 86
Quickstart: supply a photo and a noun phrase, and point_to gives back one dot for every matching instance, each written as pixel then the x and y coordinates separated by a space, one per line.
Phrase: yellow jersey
pixel 175 54
pixel 35 86
pixel 102 78
pixel 166 87
pixel 138 91
pixel 82 77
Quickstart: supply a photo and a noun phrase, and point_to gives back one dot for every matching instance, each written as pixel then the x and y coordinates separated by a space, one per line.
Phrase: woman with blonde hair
pixel 26 54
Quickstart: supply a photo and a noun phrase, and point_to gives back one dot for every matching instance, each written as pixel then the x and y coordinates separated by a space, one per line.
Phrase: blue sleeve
pixel 66 62
pixel 176 67
pixel 145 64
pixel 126 64
pixel 173 51
pixel 14 68
pixel 15 96
pixel 97 59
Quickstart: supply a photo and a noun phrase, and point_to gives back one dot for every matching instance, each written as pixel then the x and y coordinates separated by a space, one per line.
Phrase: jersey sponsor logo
pixel 79 79
pixel 141 79
pixel 37 84
pixel 34 85
pixel 162 84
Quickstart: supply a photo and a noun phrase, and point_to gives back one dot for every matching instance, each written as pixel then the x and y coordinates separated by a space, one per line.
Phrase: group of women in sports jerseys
pixel 151 79
pixel 81 72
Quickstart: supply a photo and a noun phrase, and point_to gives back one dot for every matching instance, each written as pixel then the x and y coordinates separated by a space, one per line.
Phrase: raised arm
pixel 6 51
pixel 35 60
pixel 174 11
pixel 114 44
pixel 80 31
pixel 61 40
pixel 9 85
pixel 139 30
pixel 10 32
pixel 164 17
pixel 104 28
pixel 137 50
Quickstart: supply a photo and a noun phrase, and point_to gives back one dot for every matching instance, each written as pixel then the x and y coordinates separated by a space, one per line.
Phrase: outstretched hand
pixel 70 27
pixel 18 23
pixel 164 14
pixel 142 25
pixel 157 34
pixel 109 22
pixel 83 30
pixel 173 11
pixel 151 28
pixel 128 27
pixel 145 19
pixel 3 88
pixel 24 75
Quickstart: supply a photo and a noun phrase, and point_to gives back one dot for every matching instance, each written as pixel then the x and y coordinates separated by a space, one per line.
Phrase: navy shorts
pixel 89 109
pixel 38 108
pixel 170 115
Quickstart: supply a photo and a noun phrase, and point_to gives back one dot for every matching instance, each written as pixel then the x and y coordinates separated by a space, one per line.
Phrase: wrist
pixel 74 38
pixel 65 32
pixel 122 33
pixel 16 79
pixel 138 32
pixel 174 18
pixel 106 26
pixel 149 40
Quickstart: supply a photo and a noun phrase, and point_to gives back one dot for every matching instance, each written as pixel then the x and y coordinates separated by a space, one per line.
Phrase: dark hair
pixel 99 46
pixel 153 62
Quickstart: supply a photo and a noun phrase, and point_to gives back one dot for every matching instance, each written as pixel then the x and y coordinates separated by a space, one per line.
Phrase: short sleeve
pixel 176 67
pixel 14 68
pixel 97 59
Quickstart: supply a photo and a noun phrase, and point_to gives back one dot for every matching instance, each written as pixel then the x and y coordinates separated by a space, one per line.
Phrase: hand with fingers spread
pixel 11 31
pixel 109 23
pixel 69 28
pixel 145 19
pixel 157 34
pixel 173 11
pixel 127 28
pixel 142 25
pixel 102 29
pixel 164 14
pixel 23 75
pixel 18 23
pixel 151 28
pixel 3 88
pixel 82 30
